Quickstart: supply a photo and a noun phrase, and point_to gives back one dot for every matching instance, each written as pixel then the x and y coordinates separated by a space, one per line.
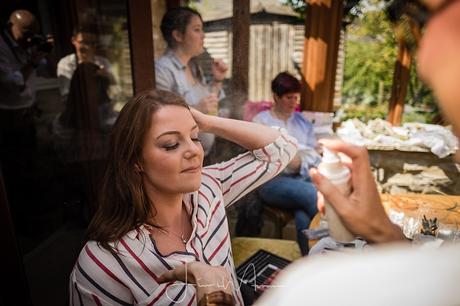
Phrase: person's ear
pixel 178 36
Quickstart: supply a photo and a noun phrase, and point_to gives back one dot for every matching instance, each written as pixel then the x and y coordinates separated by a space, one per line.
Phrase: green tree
pixel 370 54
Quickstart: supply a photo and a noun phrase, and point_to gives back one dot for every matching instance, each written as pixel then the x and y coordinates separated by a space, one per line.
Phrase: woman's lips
pixel 192 169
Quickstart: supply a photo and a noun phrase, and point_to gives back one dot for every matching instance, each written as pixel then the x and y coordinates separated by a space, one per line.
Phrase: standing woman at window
pixel 177 71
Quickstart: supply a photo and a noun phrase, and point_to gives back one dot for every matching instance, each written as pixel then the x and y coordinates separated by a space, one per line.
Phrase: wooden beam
pixel 323 22
pixel 399 88
pixel 240 55
pixel 141 44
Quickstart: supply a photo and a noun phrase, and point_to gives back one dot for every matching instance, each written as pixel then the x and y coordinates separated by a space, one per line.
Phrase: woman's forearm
pixel 249 135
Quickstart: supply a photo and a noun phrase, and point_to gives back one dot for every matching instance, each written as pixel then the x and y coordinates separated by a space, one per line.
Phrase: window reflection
pixel 52 181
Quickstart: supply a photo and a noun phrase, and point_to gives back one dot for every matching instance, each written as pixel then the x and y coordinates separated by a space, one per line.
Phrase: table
pixel 411 208
pixel 444 207
pixel 244 247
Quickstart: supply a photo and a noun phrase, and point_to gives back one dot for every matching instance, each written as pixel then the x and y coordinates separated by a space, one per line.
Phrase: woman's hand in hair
pixel 201 119
pixel 361 211
pixel 206 278
pixel 249 135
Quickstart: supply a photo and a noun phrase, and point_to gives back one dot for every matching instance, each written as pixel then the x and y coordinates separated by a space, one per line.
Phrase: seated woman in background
pixel 292 190
pixel 159 209
pixel 177 70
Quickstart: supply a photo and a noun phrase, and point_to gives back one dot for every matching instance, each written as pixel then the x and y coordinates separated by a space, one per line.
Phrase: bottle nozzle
pixel 330 156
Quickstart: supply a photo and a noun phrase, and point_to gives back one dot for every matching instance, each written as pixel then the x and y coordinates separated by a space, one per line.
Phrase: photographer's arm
pixel 11 79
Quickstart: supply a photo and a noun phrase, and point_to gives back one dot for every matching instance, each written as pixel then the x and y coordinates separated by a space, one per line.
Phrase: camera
pixel 41 43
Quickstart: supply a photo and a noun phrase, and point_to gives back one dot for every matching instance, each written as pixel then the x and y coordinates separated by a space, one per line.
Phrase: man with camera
pixel 23 52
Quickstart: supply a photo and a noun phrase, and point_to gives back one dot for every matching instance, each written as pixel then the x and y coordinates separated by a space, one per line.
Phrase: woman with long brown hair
pixel 161 212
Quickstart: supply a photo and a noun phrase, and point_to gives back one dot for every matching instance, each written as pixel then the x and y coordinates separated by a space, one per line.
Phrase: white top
pixel 67 66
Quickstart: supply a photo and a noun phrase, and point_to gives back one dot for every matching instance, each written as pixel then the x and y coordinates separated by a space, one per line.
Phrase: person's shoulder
pixel 262 116
pixel 68 57
pixel 3 44
pixel 299 117
pixel 66 60
pixel 92 249
pixel 103 60
pixel 163 61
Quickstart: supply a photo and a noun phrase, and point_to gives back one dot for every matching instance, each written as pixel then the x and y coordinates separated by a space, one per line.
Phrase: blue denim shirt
pixel 170 75
pixel 302 130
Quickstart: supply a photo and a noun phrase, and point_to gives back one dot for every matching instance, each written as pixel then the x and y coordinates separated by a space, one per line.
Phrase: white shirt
pixel 67 66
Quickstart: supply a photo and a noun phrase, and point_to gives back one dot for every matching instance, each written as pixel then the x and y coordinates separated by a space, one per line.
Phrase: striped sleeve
pixel 242 174
pixel 96 281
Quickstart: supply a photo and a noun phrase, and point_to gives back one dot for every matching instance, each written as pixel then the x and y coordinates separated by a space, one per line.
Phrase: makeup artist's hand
pixel 361 211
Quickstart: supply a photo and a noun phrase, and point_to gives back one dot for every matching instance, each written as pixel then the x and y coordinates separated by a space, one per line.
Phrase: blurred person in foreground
pixel 394 274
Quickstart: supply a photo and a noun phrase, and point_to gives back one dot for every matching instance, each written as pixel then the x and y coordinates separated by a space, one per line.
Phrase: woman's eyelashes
pixel 175 145
pixel 169 147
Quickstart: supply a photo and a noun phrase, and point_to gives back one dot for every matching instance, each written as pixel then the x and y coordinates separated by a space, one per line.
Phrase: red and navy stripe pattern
pixel 129 277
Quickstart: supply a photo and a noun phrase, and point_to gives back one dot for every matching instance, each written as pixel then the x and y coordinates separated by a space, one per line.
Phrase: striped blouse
pixel 129 277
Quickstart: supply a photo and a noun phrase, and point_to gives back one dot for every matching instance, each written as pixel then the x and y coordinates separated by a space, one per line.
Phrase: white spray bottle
pixel 332 168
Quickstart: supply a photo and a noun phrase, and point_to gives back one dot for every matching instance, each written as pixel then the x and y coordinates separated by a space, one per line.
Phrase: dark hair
pixel 81 111
pixel 85 28
pixel 176 19
pixel 123 202
pixel 285 83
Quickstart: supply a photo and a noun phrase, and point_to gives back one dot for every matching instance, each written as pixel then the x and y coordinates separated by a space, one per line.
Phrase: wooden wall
pixel 271 50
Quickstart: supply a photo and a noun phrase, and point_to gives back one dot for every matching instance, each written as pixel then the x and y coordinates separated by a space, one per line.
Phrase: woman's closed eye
pixel 173 146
